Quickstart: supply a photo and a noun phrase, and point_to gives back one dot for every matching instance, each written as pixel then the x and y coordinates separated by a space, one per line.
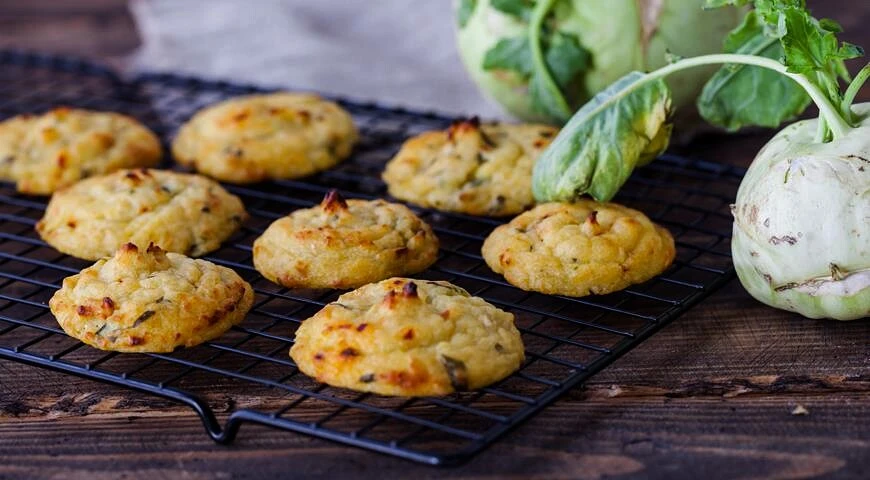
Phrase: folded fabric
pixel 399 52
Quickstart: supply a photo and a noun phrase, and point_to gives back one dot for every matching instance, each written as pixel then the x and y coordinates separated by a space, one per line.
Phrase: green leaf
pixel 769 11
pixel 510 54
pixel 546 97
pixel 522 9
pixel 544 92
pixel 565 58
pixel 848 51
pixel 830 25
pixel 749 32
pixel 464 11
pixel 622 127
pixel 741 95
pixel 807 46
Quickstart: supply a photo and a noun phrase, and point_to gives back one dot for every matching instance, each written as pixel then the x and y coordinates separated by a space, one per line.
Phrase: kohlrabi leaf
pixel 566 58
pixel 510 54
pixel 769 9
pixel 848 51
pixel 464 11
pixel 750 32
pixel 741 95
pixel 808 46
pixel 546 97
pixel 830 25
pixel 544 91
pixel 622 127
pixel 522 9
pixel 563 57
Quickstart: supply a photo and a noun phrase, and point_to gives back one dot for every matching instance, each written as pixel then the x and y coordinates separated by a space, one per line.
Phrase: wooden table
pixel 713 395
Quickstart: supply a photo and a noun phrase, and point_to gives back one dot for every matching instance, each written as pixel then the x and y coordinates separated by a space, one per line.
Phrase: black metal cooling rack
pixel 567 339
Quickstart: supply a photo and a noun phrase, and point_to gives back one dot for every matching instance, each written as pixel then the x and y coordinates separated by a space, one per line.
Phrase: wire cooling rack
pixel 249 370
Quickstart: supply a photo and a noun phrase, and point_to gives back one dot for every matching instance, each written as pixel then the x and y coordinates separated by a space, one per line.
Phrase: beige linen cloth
pixel 396 52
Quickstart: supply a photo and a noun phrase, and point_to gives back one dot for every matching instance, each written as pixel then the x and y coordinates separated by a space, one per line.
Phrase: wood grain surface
pixel 716 394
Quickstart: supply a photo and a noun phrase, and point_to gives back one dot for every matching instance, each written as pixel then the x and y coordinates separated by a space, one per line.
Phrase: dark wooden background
pixel 710 396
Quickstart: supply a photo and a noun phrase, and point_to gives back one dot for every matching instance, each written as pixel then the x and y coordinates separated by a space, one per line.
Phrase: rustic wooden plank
pixel 714 437
pixel 714 390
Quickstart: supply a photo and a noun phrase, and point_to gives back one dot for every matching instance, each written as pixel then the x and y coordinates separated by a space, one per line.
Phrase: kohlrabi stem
pixel 540 69
pixel 838 125
pixel 542 8
pixel 854 87
pixel 828 82
pixel 822 130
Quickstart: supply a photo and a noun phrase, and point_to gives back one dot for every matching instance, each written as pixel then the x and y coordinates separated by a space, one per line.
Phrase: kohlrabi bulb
pixel 801 237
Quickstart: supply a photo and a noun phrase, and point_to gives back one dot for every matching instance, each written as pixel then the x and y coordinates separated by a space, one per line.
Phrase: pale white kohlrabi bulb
pixel 801 237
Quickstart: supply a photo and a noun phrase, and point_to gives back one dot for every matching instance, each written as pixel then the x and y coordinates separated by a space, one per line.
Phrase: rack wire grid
pixel 567 339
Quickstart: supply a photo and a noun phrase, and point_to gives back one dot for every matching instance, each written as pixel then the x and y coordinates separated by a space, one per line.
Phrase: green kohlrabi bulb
pixel 617 36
